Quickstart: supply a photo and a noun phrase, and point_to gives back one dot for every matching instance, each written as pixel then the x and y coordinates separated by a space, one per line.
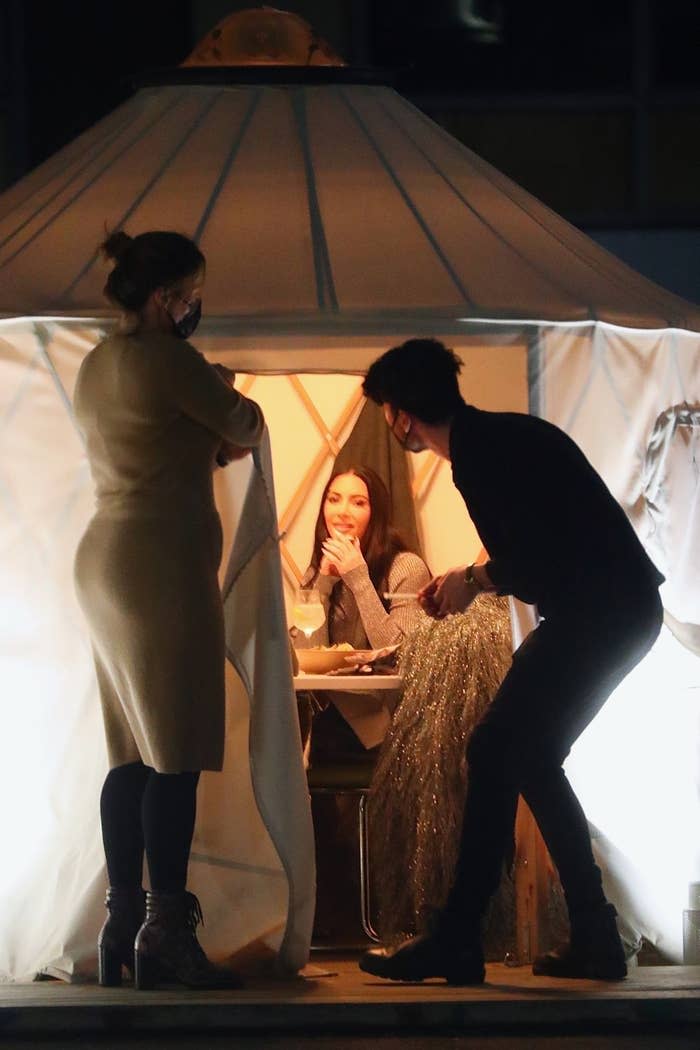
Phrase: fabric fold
pixel 257 646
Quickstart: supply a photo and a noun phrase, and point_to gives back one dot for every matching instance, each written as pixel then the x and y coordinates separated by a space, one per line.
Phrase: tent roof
pixel 326 208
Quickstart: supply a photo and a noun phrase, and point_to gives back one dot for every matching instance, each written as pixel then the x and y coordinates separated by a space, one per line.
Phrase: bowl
pixel 321 661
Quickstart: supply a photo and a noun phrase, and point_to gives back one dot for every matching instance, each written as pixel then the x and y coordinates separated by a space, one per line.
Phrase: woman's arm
pixel 408 573
pixel 206 394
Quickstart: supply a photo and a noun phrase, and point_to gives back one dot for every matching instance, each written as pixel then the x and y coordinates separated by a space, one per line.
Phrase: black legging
pixel 559 680
pixel 142 810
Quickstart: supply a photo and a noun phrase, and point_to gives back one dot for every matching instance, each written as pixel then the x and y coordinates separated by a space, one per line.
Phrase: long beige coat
pixel 154 414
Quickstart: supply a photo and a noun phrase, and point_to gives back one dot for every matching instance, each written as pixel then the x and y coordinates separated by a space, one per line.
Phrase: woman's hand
pixel 449 593
pixel 327 567
pixel 340 555
pixel 228 453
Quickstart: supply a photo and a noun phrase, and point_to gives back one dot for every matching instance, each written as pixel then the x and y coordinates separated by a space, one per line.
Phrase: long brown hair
pixel 381 541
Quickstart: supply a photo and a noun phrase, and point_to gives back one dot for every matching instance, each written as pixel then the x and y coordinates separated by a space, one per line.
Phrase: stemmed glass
pixel 308 614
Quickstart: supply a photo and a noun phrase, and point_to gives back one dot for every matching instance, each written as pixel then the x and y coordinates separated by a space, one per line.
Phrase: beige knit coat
pixel 154 414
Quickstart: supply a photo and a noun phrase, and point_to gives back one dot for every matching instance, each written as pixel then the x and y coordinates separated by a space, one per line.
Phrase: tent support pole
pixel 42 339
pixel 535 392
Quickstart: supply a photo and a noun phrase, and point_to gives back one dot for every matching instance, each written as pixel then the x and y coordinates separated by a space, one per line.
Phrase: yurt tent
pixel 336 220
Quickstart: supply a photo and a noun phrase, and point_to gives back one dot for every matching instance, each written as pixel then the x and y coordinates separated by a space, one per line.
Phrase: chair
pixel 351 779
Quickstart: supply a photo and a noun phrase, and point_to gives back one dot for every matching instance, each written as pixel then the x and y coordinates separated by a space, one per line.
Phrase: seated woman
pixel 358 556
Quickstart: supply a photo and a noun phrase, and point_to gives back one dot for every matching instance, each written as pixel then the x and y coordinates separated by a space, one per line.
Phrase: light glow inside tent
pixel 337 220
pixel 46 656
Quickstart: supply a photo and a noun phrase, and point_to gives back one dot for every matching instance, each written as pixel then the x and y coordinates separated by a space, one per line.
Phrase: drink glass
pixel 308 614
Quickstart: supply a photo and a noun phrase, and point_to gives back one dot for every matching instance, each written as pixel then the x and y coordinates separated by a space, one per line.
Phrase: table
pixel 351 683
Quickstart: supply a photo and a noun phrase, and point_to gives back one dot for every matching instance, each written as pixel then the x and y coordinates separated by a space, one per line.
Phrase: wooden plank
pixel 525 885
pixel 334 995
pixel 329 437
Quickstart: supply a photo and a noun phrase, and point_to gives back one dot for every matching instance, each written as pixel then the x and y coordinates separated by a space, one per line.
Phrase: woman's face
pixel 186 294
pixel 346 508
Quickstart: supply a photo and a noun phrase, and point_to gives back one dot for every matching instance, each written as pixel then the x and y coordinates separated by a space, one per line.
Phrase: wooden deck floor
pixel 333 995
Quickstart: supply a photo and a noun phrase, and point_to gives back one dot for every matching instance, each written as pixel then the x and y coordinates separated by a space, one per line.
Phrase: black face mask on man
pixel 184 328
pixel 407 440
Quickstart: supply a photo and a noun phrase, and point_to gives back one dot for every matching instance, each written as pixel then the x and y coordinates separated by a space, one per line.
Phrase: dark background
pixel 593 107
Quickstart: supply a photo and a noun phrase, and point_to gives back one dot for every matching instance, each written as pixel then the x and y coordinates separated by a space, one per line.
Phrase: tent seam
pixel 90 183
pixel 322 263
pixel 460 196
pixel 407 200
pixel 228 164
pixel 148 187
pixel 104 144
pixel 500 179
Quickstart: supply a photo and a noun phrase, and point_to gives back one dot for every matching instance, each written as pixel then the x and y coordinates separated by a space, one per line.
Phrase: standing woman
pixel 156 418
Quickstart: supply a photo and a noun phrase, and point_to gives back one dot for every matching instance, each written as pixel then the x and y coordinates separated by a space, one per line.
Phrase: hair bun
pixel 154 259
pixel 116 245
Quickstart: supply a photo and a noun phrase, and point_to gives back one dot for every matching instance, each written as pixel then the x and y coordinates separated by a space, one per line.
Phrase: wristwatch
pixel 471 579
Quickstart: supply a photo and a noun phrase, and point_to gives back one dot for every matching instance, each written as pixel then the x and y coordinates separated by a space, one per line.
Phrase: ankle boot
pixel 594 949
pixel 115 943
pixel 167 949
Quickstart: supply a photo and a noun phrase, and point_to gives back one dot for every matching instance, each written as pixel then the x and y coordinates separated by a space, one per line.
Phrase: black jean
pixel 560 678
pixel 142 810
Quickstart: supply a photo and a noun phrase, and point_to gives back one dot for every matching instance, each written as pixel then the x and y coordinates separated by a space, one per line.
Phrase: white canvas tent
pixel 336 220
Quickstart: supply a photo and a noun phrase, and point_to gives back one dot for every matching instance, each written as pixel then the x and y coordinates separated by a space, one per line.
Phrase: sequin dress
pixel 452 668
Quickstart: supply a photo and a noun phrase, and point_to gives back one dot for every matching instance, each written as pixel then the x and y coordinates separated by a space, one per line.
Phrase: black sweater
pixel 556 536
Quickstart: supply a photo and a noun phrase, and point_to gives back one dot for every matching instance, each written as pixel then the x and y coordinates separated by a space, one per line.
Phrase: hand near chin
pixel 343 552
pixel 328 567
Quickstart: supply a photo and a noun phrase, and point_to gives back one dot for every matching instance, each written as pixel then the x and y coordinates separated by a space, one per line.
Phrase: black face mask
pixel 184 328
pixel 407 440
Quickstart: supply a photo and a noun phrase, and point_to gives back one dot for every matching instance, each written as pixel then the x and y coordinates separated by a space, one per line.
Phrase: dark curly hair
pixel 420 377
pixel 158 259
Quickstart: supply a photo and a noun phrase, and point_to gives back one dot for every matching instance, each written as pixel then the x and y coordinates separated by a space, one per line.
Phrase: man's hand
pixel 449 593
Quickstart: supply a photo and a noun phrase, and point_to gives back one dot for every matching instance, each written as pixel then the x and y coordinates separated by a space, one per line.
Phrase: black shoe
pixel 595 950
pixel 427 955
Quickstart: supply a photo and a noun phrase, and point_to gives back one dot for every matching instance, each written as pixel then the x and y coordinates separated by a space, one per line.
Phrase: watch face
pixel 471 579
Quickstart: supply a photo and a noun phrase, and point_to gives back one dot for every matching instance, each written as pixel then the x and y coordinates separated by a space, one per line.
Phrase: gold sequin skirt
pixel 452 669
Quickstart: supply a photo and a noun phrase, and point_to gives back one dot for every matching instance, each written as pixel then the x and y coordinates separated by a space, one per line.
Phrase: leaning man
pixel 557 539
